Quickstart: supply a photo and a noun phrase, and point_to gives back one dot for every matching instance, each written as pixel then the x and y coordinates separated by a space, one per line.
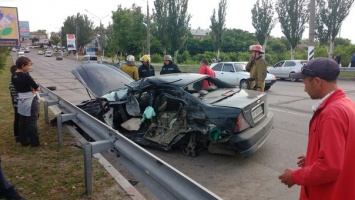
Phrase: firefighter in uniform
pixel 257 67
pixel 130 67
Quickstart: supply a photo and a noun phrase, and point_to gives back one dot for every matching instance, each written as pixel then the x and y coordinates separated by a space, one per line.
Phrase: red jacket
pixel 205 69
pixel 329 171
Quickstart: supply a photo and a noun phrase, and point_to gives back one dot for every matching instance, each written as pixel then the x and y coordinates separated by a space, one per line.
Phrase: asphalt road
pixel 230 177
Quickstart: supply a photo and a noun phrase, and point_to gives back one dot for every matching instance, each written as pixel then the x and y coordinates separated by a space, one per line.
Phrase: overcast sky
pixel 50 15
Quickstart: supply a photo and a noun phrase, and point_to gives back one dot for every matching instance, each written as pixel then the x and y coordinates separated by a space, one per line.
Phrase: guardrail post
pixel 46 105
pixel 89 150
pixel 60 119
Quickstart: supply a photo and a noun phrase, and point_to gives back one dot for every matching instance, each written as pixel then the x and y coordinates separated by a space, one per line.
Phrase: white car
pixel 285 68
pixel 20 54
pixel 48 53
pixel 235 73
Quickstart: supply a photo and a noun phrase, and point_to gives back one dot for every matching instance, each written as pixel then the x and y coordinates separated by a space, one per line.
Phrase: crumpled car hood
pixel 101 79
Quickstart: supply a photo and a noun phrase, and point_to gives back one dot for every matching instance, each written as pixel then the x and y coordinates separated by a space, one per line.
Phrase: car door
pixel 287 68
pixel 276 69
pixel 228 74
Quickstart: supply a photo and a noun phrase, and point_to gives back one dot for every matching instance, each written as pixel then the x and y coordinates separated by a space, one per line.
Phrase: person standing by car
pixel 146 69
pixel 130 67
pixel 205 69
pixel 327 170
pixel 28 102
pixel 257 67
pixel 169 67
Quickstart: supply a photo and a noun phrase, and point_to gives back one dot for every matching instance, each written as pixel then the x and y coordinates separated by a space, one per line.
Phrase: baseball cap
pixel 324 68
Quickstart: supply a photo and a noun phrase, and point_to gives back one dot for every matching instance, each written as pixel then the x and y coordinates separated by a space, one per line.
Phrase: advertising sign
pixel 9 31
pixel 71 42
pixel 24 29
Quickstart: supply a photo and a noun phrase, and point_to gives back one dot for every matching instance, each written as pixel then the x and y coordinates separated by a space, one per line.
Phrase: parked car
pixel 20 54
pixel 48 53
pixel 40 52
pixel 235 73
pixel 89 58
pixel 285 68
pixel 27 50
pixel 171 111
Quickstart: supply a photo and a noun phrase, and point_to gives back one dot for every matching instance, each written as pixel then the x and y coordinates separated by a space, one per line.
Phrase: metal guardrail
pixel 347 69
pixel 163 180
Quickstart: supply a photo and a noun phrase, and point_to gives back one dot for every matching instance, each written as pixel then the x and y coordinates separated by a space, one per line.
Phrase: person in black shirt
pixel 28 102
pixel 146 69
pixel 169 67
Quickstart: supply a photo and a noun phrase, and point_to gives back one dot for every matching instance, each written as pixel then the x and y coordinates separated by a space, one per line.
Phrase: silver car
pixel 235 73
pixel 285 68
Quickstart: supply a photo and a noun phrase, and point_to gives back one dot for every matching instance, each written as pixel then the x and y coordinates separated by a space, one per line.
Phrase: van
pixel 89 58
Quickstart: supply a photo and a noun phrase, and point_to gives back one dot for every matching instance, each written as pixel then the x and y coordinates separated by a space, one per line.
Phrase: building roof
pixel 200 32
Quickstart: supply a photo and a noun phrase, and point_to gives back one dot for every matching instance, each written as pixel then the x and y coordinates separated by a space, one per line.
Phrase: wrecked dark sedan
pixel 173 111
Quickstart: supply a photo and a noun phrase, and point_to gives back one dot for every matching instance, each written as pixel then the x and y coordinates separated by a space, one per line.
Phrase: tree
pixel 293 15
pixel 178 25
pixel 330 16
pixel 55 39
pixel 263 20
pixel 81 26
pixel 128 29
pixel 160 23
pixel 218 26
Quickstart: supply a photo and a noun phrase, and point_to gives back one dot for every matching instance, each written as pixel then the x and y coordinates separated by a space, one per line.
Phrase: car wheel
pixel 267 87
pixel 292 79
pixel 244 84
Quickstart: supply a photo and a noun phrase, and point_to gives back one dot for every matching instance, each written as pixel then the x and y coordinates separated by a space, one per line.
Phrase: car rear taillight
pixel 240 123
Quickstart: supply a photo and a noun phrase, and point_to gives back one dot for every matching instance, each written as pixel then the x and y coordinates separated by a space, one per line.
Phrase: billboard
pixel 9 31
pixel 71 42
pixel 24 29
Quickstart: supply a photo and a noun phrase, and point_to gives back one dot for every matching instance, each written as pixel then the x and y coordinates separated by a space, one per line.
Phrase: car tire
pixel 244 84
pixel 292 79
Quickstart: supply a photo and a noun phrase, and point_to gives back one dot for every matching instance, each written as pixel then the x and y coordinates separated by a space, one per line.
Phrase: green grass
pixel 47 172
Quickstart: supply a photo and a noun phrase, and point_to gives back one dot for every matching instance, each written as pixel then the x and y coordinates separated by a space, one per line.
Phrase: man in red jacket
pixel 205 69
pixel 328 169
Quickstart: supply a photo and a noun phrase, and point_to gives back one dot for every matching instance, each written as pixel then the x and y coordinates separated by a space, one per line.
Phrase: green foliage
pixel 263 19
pixel 55 39
pixel 218 26
pixel 81 26
pixel 178 25
pixel 129 33
pixel 156 58
pixel 330 16
pixel 4 53
pixel 293 15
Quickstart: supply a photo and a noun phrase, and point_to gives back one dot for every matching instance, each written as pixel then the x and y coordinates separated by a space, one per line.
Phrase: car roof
pixel 178 79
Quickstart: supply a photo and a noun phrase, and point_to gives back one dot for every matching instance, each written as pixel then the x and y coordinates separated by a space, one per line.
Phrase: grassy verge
pixel 47 172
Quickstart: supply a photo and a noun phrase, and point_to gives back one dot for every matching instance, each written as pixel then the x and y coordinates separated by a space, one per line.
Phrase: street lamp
pixel 101 32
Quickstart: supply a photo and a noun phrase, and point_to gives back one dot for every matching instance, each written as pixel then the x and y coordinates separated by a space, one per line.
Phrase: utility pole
pixel 148 30
pixel 312 14
pixel 103 39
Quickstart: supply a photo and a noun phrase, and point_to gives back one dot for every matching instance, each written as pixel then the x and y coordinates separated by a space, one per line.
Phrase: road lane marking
pixel 291 112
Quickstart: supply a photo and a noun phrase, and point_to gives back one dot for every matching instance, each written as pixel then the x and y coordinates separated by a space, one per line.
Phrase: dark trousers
pixel 16 121
pixel 28 125
pixel 352 64
pixel 5 186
